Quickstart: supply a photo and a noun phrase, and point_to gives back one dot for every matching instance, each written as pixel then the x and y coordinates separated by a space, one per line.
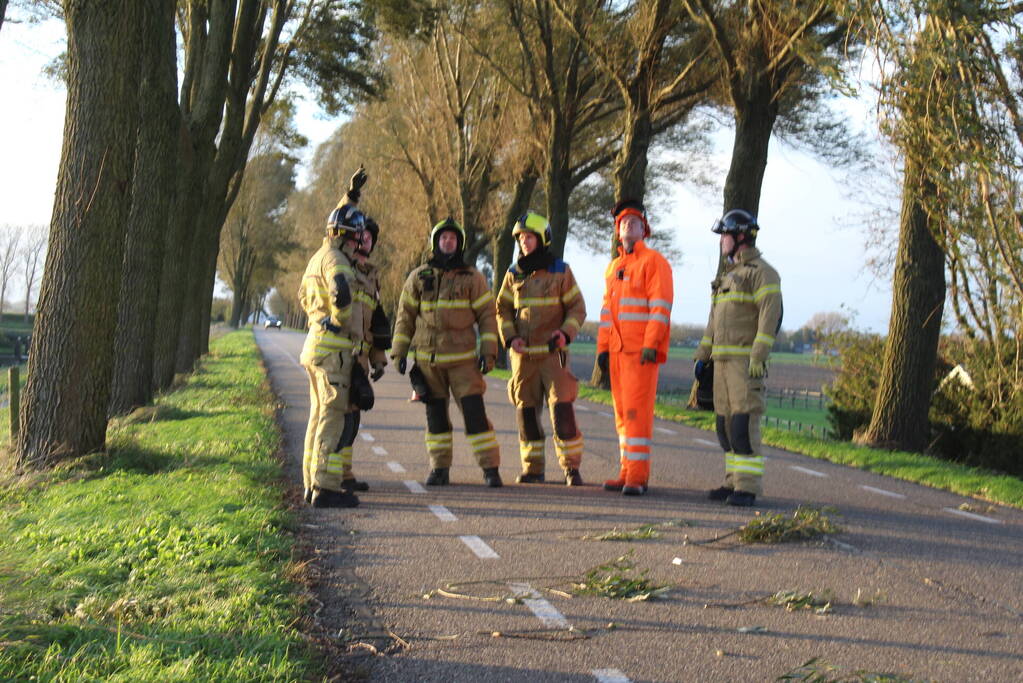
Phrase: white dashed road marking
pixel 610 676
pixel 582 408
pixel 603 414
pixel 395 467
pixel 705 442
pixel 379 450
pixel 812 473
pixel 543 610
pixel 882 492
pixel 972 515
pixel 414 486
pixel 366 436
pixel 662 430
pixel 481 549
pixel 443 514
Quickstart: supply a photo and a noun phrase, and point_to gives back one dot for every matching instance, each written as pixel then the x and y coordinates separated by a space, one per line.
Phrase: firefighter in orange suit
pixel 745 316
pixel 369 349
pixel 632 341
pixel 442 304
pixel 540 310
pixel 326 298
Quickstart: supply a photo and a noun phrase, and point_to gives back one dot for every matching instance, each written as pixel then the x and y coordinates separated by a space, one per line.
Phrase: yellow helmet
pixel 448 223
pixel 536 224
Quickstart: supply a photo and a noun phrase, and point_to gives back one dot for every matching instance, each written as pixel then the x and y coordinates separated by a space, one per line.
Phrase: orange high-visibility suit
pixel 636 314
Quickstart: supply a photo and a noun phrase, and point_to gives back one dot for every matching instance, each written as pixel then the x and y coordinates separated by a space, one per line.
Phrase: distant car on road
pixel 271 322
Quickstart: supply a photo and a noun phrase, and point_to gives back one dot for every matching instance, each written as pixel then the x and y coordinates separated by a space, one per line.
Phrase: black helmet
pixel 736 221
pixel 448 223
pixel 373 229
pixel 346 221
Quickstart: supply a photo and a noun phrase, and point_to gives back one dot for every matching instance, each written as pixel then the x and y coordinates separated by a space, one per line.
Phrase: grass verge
pixel 922 469
pixel 167 557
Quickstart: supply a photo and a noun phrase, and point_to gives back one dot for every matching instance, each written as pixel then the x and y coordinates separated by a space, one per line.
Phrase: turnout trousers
pixel 634 389
pixel 323 463
pixel 534 379
pixel 465 383
pixel 738 406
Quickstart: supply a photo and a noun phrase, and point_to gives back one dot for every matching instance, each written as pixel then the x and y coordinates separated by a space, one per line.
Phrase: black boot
pixel 573 478
pixel 437 477
pixel 720 493
pixel 354 484
pixel 492 477
pixel 529 478
pixel 325 498
pixel 741 499
pixel 634 489
pixel 307 496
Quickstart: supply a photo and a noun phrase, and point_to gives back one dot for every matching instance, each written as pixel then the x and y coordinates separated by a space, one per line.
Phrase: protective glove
pixel 558 340
pixel 647 355
pixel 699 369
pixel 602 361
pixel 359 179
pixel 757 368
pixel 401 364
pixel 517 344
pixel 487 363
pixel 378 371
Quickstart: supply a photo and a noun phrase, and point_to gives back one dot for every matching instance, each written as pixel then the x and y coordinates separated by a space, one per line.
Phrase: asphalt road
pixel 946 583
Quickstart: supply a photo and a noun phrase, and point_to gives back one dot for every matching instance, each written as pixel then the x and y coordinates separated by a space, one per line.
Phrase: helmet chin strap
pixel 736 245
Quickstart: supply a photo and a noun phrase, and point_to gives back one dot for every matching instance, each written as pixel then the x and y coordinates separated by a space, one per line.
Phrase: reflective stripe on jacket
pixel 745 311
pixel 535 305
pixel 318 294
pixel 438 313
pixel 638 294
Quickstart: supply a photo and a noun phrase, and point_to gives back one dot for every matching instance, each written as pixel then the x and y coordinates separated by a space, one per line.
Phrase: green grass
pixel 166 558
pixel 922 469
pixel 583 348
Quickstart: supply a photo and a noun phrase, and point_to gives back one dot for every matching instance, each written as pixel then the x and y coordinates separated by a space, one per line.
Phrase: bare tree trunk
pixel 66 397
pixel 899 420
pixel 3 11
pixel 753 126
pixel 559 185
pixel 153 196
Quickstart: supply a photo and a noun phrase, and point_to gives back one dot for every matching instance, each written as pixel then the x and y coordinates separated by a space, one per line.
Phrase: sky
pixel 807 216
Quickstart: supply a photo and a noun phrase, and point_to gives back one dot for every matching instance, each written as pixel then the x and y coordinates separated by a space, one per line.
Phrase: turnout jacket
pixel 438 313
pixel 366 297
pixel 326 297
pixel 533 305
pixel 745 311
pixel 638 294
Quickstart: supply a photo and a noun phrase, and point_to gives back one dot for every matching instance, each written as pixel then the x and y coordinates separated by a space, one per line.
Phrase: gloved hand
pixel 757 368
pixel 602 361
pixel 487 363
pixel 647 355
pixel 699 369
pixel 359 179
pixel 518 345
pixel 558 340
pixel 401 364
pixel 378 371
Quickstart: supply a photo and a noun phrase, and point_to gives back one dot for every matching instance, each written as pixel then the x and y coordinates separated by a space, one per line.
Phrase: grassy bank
pixel 922 469
pixel 167 558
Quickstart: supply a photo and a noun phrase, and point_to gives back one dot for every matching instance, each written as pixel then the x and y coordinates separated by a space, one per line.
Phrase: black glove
pixel 378 372
pixel 359 179
pixel 602 361
pixel 487 363
pixel 699 369
pixel 402 365
pixel 647 355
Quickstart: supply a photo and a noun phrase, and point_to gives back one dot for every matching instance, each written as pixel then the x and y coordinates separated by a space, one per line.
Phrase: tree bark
pixel 900 417
pixel 152 198
pixel 67 394
pixel 3 12
pixel 753 125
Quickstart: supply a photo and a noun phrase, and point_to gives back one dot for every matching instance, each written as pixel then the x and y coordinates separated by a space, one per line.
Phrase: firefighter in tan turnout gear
pixel 369 349
pixel 326 297
pixel 442 304
pixel 540 310
pixel 745 316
